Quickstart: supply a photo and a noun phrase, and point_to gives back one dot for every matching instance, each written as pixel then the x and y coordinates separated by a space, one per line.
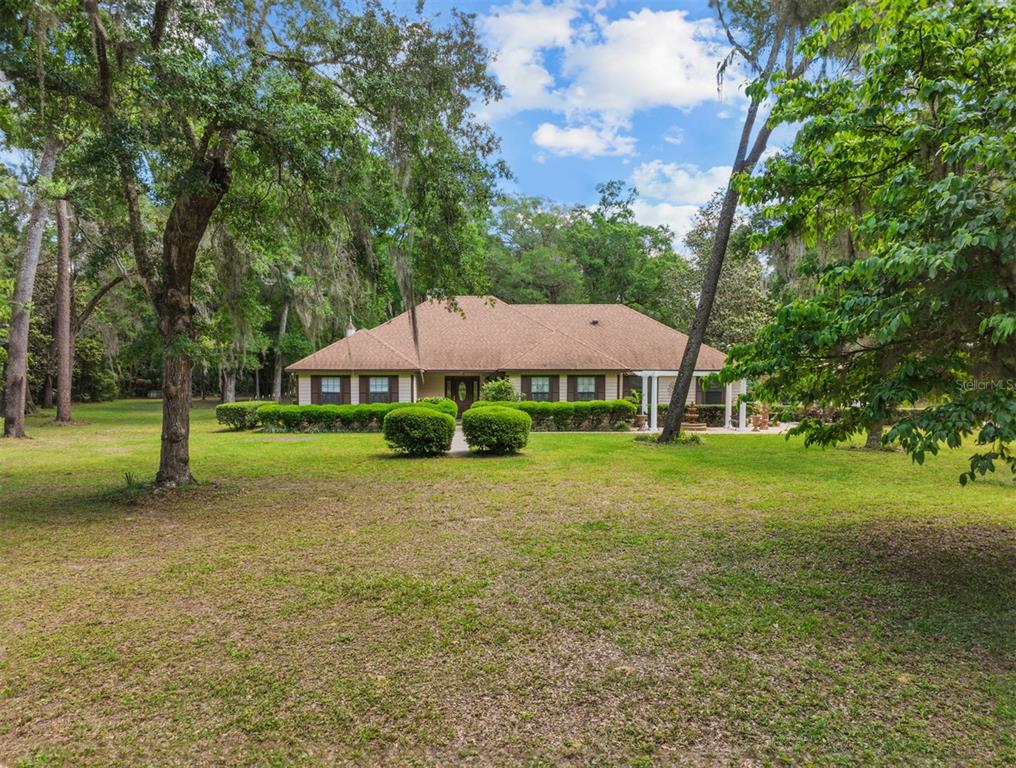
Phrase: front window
pixel 585 388
pixel 713 395
pixel 378 392
pixel 331 390
pixel 540 388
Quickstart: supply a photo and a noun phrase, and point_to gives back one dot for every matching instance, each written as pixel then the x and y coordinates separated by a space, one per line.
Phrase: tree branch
pixel 100 39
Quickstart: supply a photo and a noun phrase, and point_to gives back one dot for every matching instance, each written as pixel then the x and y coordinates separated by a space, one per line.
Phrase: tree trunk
pixel 710 281
pixel 874 440
pixel 174 460
pixel 62 336
pixel 227 385
pixel 277 378
pixel 47 387
pixel 257 380
pixel 16 388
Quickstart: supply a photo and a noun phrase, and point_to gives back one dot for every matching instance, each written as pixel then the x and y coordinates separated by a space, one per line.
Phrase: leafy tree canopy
pixel 908 158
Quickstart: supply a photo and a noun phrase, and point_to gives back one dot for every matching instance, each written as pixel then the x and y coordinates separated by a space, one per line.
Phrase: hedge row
pixel 494 429
pixel 239 416
pixel 367 417
pixel 586 415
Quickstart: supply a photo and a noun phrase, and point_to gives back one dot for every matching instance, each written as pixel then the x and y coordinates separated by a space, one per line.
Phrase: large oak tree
pixel 187 98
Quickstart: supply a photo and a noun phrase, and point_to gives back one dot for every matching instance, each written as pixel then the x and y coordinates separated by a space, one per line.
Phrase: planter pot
pixel 640 421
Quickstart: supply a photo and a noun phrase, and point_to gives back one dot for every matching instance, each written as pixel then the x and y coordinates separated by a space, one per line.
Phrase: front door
pixel 463 390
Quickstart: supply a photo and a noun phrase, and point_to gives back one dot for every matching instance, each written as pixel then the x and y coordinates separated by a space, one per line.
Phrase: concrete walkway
pixel 459 445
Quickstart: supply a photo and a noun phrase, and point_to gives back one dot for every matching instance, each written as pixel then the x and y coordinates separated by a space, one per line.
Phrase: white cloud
pixel 647 59
pixel 606 69
pixel 674 136
pixel 677 217
pixel 583 141
pixel 519 35
pixel 683 183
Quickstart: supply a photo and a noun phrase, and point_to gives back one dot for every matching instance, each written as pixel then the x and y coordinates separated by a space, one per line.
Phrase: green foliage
pixel 500 390
pixel 239 416
pixel 540 252
pixel 366 417
pixel 742 305
pixel 442 404
pixel 418 431
pixel 496 429
pixel 94 378
pixel 900 184
pixel 586 416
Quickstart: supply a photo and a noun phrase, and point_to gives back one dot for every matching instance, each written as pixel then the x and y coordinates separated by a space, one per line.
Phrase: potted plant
pixel 640 418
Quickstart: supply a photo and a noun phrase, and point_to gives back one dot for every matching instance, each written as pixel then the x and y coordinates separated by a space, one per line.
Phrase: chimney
pixel 350 328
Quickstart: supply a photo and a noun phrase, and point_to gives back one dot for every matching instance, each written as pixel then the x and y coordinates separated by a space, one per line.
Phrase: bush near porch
pixel 366 417
pixel 583 416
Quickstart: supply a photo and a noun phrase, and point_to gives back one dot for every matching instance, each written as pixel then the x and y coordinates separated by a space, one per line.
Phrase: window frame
pixel 328 396
pixel 584 396
pixel 539 396
pixel 378 395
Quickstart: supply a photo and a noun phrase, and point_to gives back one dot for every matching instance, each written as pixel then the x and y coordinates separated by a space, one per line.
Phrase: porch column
pixel 742 409
pixel 645 393
pixel 652 406
pixel 726 406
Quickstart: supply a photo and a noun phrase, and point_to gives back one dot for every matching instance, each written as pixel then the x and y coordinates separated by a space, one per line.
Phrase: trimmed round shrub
pixel 240 415
pixel 495 429
pixel 418 431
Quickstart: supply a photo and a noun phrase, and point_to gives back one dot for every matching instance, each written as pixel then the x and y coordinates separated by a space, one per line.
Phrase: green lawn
pixel 593 601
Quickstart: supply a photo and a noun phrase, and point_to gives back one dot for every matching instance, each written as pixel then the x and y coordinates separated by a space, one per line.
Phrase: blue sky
pixel 611 90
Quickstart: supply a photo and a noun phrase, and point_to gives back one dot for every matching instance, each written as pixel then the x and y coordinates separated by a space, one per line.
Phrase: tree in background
pixel 528 261
pixel 189 99
pixel 545 253
pixel 769 31
pixel 16 363
pixel 742 305
pixel 911 158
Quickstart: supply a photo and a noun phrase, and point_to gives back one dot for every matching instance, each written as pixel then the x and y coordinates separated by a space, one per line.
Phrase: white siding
pixel 303 390
pixel 405 389
pixel 354 390
pixel 516 380
pixel 664 388
pixel 610 388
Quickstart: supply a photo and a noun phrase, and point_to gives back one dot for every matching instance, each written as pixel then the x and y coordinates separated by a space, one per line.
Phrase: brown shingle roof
pixel 486 334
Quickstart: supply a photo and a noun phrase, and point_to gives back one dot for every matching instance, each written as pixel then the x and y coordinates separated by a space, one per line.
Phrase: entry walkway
pixel 459 445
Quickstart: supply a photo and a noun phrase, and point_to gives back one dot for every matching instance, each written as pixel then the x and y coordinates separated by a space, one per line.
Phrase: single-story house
pixel 548 351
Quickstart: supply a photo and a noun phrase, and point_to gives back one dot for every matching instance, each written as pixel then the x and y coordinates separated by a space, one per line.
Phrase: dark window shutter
pixel 555 388
pixel 527 387
pixel 315 390
pixel 573 385
pixel 364 389
pixel 601 387
pixel 393 389
pixel 700 395
pixel 346 386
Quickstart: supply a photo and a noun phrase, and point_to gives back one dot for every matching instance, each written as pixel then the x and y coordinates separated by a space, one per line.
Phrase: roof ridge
pixel 415 364
pixel 567 335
